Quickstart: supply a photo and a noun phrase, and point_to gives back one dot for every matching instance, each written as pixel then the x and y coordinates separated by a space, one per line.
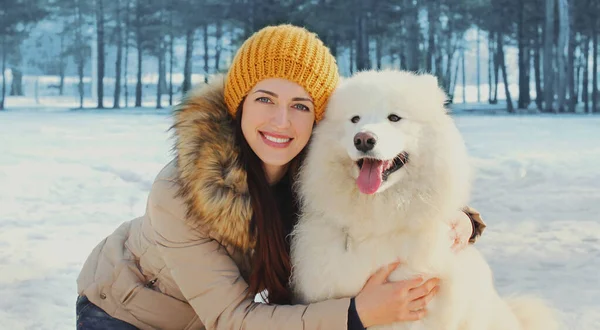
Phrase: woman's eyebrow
pixel 275 95
pixel 303 99
pixel 266 92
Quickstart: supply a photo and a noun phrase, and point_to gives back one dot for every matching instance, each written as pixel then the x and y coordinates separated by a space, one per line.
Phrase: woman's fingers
pixel 381 302
pixel 408 285
pixel 423 289
pixel 382 274
pixel 422 302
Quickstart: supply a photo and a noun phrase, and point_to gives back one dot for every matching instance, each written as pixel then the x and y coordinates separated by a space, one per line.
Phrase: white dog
pixel 386 169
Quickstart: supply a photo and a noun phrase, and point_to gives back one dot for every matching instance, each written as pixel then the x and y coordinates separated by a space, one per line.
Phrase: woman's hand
pixel 381 302
pixel 461 230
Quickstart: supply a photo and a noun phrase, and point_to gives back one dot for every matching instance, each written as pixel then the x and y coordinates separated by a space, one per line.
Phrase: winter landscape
pixel 68 178
pixel 72 168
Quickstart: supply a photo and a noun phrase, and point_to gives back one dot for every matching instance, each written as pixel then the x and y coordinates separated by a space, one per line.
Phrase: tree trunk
pixel 496 66
pixel 362 46
pixel 366 43
pixel 464 75
pixel 447 78
pixel 231 51
pixel 334 46
pixel 524 79
pixel 358 36
pixel 585 87
pixel 62 66
pixel 502 66
pixel 490 67
pixel 439 72
pixel 162 73
pixel 187 67
pixel 548 60
pixel 560 54
pixel 138 35
pixel 452 85
pixel 138 85
pixel 537 67
pixel 402 60
pixel 595 71
pixel 206 57
pixel 450 51
pixel 378 50
pixel 80 67
pixel 16 87
pixel 171 61
pixel 414 31
pixel 432 16
pixel 160 84
pixel 117 94
pixel 351 62
pixel 80 55
pixel 578 66
pixel 478 66
pixel 3 72
pixel 126 69
pixel 219 45
pixel 571 60
pixel 250 25
pixel 100 43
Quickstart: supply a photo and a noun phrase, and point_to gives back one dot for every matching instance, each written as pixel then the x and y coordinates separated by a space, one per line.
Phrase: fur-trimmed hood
pixel 212 181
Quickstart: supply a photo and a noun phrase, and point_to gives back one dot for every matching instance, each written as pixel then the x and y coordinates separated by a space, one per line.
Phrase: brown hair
pixel 271 265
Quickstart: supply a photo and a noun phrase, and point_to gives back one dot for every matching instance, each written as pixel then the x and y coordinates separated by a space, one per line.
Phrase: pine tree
pixel 16 17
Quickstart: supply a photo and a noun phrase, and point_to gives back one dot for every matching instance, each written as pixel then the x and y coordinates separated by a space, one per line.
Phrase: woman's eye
pixel 264 99
pixel 355 119
pixel 301 107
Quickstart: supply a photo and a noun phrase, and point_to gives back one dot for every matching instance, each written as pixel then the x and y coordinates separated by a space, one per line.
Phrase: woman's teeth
pixel 276 140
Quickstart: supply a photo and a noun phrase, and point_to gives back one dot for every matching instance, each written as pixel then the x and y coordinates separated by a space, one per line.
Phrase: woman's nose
pixel 281 117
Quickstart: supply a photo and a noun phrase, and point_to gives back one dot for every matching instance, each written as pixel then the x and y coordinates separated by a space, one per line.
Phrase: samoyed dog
pixel 385 172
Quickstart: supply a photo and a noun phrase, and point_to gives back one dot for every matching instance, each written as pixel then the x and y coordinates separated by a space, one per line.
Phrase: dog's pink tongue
pixel 369 178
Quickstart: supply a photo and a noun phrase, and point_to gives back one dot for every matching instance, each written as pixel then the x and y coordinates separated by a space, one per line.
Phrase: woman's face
pixel 277 121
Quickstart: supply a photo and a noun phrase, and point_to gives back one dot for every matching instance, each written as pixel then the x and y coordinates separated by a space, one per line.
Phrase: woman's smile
pixel 276 140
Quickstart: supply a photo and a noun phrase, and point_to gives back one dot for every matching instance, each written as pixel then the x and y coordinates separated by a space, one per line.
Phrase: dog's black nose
pixel 365 141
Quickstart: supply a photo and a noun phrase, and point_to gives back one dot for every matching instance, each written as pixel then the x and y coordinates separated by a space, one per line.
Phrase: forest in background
pixel 556 42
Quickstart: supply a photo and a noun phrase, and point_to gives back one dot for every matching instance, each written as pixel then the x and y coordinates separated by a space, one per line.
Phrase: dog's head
pixel 391 127
pixel 390 120
pixel 387 133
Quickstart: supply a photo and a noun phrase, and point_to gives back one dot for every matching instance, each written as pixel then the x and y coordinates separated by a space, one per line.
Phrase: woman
pixel 217 218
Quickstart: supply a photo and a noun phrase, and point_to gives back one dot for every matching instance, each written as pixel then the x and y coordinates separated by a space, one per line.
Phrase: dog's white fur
pixel 344 236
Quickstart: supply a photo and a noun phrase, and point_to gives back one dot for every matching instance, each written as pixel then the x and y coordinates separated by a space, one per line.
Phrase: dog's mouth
pixel 373 172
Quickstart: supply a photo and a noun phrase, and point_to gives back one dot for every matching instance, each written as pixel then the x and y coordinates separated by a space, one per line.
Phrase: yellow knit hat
pixel 283 51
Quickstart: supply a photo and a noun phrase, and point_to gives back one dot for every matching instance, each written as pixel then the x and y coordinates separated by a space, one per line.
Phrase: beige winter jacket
pixel 184 263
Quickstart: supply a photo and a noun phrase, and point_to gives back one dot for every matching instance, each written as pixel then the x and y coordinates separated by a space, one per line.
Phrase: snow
pixel 538 186
pixel 69 178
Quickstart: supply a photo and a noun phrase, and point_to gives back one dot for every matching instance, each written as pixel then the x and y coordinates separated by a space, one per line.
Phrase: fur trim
pixel 211 180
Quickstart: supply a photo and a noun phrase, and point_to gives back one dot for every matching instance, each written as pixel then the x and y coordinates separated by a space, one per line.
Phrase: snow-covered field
pixel 67 179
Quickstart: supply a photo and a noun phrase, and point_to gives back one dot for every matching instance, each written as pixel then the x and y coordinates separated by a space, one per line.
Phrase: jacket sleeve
pixel 354 322
pixel 211 281
pixel 477 222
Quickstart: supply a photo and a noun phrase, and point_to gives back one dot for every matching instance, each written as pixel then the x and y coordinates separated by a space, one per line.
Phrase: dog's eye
pixel 394 118
pixel 355 119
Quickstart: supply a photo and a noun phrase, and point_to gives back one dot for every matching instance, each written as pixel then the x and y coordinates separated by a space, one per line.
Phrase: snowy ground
pixel 67 179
